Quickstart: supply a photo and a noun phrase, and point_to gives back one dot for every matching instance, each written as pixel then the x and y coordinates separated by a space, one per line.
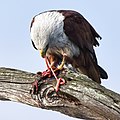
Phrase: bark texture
pixel 80 97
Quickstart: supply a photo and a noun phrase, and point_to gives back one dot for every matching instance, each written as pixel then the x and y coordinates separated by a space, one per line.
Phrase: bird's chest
pixel 62 45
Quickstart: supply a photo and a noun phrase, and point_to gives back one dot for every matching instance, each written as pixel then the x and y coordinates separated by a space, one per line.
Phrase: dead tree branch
pixel 80 97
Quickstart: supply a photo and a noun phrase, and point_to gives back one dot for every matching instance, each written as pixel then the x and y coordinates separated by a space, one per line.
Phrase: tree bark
pixel 80 97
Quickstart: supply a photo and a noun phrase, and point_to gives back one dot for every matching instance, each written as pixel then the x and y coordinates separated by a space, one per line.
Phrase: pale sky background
pixel 16 50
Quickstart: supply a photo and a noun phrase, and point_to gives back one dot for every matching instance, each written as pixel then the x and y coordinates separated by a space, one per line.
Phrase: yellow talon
pixel 62 63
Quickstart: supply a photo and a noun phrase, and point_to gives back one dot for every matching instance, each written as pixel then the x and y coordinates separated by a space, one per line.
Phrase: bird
pixel 66 38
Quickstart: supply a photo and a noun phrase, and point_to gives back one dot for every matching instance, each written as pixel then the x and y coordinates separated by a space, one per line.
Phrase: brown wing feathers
pixel 81 33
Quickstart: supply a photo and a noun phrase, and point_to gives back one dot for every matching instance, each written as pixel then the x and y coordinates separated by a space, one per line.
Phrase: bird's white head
pixel 45 28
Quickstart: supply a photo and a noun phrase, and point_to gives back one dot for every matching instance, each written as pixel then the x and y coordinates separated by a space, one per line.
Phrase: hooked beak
pixel 43 51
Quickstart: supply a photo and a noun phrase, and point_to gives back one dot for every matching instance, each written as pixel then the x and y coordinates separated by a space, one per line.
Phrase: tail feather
pixel 86 65
pixel 103 73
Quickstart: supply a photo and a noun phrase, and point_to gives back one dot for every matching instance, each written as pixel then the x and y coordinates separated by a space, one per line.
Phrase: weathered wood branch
pixel 80 97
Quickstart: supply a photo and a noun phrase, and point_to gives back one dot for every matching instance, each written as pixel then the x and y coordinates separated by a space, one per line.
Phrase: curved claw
pixel 60 67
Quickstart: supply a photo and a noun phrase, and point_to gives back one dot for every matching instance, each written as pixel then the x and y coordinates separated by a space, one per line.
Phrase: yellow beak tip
pixel 42 53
